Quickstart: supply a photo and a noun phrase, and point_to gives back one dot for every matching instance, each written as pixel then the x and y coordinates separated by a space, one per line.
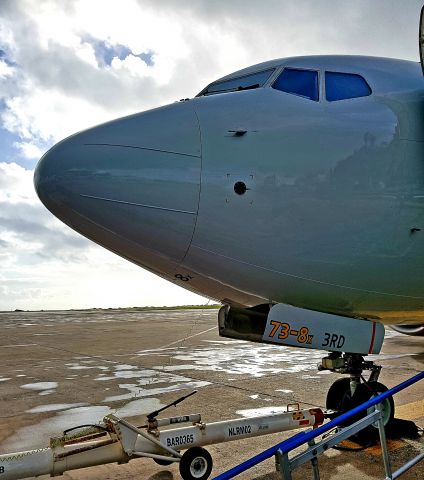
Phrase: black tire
pixel 340 399
pixel 338 396
pixel 196 464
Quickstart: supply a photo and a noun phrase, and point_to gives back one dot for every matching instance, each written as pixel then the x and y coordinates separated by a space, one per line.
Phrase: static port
pixel 240 188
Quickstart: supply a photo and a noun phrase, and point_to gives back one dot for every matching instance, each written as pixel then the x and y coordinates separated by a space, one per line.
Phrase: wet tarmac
pixel 62 369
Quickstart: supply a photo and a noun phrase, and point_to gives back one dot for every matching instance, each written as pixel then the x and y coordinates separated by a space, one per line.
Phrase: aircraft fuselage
pixel 261 196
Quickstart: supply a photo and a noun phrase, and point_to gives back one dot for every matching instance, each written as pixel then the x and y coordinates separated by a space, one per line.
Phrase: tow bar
pixel 116 440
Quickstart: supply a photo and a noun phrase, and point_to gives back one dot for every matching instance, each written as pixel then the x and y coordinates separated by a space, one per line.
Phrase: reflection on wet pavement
pixel 30 437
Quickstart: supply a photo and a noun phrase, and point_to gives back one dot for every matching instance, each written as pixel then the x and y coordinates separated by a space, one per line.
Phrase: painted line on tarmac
pixel 410 411
pixel 180 340
pixel 191 336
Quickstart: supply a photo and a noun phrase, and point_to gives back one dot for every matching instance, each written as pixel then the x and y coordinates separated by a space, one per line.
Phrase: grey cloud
pixel 275 28
pixel 59 68
pixel 367 27
pixel 33 225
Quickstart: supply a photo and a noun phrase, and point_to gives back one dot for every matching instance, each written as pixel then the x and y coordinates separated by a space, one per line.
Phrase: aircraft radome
pixel 291 191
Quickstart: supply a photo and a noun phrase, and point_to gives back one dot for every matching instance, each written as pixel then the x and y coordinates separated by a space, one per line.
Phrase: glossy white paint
pixel 334 189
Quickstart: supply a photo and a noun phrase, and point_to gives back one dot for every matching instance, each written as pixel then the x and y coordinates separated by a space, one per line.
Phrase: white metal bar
pixel 336 438
pixel 285 467
pixel 228 430
pixel 314 459
pixel 383 442
pixel 405 467
pixel 151 438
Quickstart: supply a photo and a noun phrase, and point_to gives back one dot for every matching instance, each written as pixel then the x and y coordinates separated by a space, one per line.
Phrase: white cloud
pixel 5 70
pixel 132 65
pixel 16 185
pixel 29 150
pixel 47 116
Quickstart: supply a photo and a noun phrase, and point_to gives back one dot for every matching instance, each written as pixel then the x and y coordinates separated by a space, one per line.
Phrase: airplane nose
pixel 137 178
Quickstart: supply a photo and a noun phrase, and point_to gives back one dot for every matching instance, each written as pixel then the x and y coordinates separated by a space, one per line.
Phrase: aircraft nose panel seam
pixel 140 148
pixel 137 204
pixel 200 188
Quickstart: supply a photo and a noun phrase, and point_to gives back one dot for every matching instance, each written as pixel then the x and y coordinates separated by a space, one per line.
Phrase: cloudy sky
pixel 66 65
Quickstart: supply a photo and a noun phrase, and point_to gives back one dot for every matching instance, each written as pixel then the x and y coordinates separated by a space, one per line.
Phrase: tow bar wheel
pixel 196 464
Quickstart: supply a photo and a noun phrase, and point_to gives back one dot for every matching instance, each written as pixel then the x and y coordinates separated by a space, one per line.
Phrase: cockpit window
pixel 298 82
pixel 340 86
pixel 246 82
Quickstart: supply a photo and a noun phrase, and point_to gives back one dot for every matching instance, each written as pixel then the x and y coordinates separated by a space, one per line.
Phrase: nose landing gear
pixel 347 393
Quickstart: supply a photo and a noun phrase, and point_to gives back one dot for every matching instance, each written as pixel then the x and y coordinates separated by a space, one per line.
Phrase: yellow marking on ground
pixel 391 445
pixel 410 411
pixel 374 449
pixel 350 444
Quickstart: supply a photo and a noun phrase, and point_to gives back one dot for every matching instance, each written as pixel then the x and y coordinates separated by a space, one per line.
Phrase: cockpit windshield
pixel 246 82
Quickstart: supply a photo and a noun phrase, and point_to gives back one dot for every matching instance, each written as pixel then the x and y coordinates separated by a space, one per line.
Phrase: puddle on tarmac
pixel 54 407
pixel 240 358
pixel 38 435
pixel 391 333
pixel 257 412
pixel 46 392
pixel 136 391
pixel 175 368
pixel 229 356
pixel 259 397
pixel 149 375
pixel 143 378
pixel 40 386
pixel 379 357
pixel 139 407
pixel 123 367
pixel 79 366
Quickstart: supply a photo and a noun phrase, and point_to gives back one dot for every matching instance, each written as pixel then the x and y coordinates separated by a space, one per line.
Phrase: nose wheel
pixel 347 393
pixel 341 400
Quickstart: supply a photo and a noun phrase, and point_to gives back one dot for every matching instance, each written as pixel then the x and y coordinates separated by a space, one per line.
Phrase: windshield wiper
pixel 249 87
pixel 235 89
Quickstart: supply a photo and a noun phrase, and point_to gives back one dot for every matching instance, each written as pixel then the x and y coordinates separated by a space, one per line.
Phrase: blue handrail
pixel 304 437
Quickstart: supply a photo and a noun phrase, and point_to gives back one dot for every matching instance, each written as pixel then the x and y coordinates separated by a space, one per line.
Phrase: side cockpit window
pixel 303 83
pixel 245 82
pixel 341 86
